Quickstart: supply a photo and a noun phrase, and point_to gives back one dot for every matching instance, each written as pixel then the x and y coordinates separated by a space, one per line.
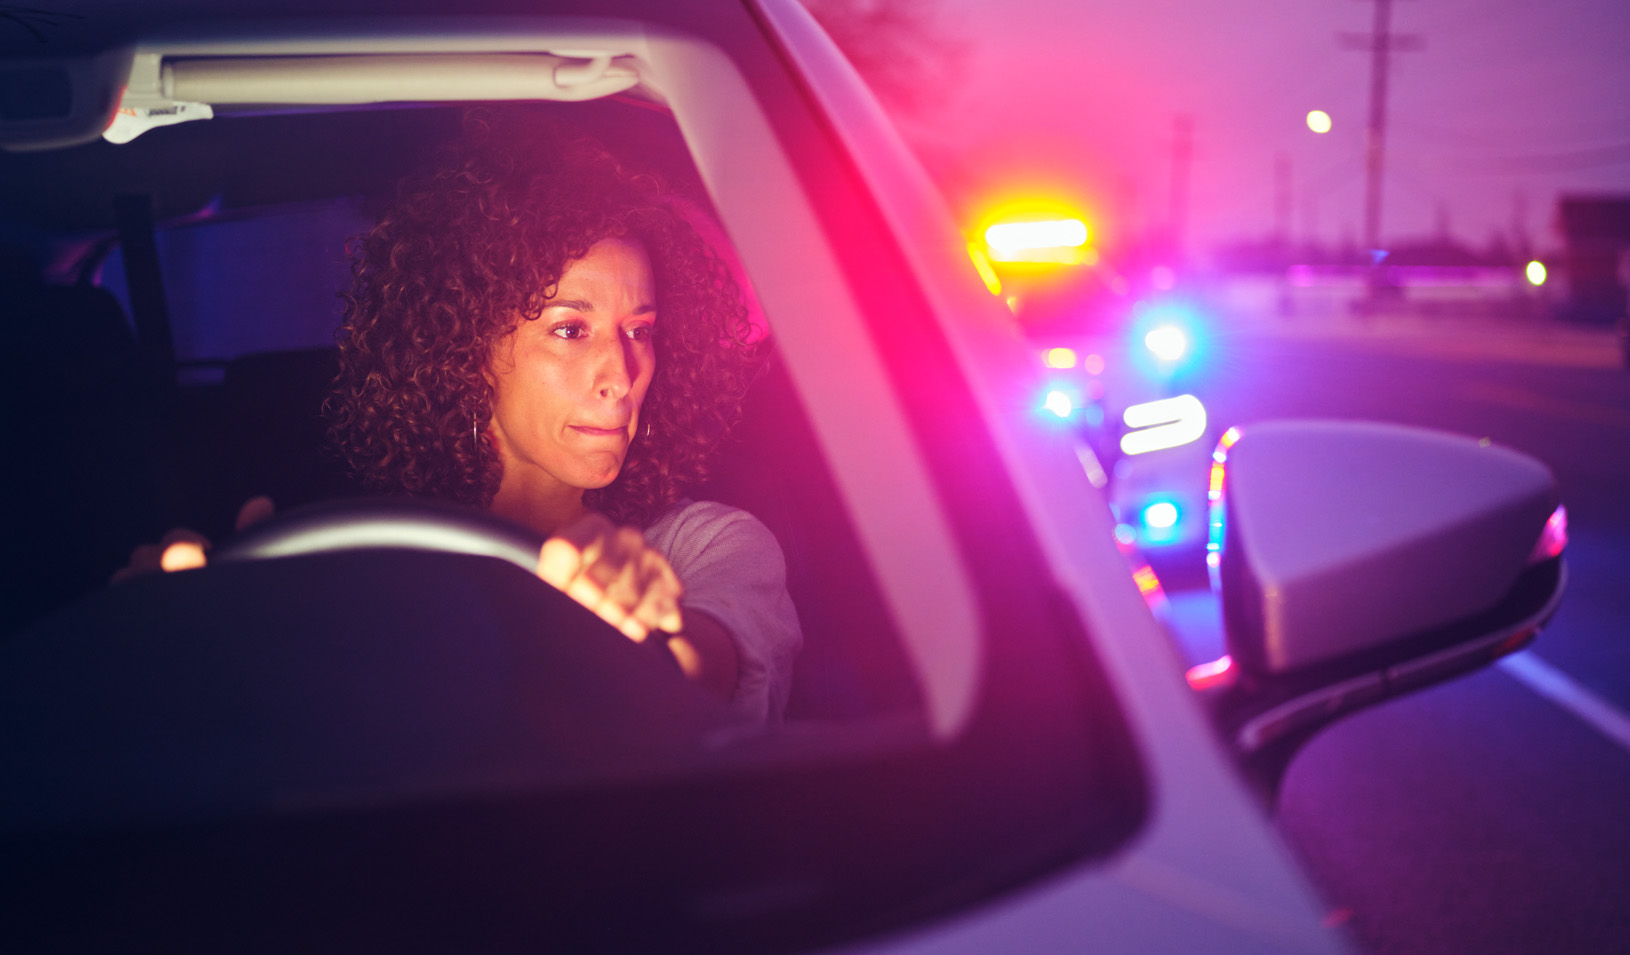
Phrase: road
pixel 1482 815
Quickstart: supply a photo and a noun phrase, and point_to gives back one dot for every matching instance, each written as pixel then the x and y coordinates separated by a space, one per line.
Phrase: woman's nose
pixel 615 371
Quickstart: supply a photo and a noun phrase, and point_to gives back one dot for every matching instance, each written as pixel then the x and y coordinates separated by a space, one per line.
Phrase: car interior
pixel 174 305
pixel 173 300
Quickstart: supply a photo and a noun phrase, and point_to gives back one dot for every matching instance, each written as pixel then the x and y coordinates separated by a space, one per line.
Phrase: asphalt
pixel 1532 340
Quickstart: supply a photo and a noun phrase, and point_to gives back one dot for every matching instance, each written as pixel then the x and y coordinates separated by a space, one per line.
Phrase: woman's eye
pixel 640 333
pixel 569 330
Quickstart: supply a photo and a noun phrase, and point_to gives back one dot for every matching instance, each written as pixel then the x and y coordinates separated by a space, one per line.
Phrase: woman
pixel 535 331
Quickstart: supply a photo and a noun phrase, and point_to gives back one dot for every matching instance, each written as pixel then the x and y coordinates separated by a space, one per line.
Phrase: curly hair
pixel 476 245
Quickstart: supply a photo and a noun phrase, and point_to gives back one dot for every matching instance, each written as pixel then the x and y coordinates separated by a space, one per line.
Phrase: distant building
pixel 1596 231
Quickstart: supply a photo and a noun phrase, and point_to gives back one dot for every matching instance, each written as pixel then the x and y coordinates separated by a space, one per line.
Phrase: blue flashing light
pixel 1169 334
pixel 1159 523
pixel 1167 342
pixel 1160 514
pixel 1059 403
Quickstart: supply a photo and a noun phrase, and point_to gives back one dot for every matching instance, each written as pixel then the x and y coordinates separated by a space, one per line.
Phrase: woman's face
pixel 568 386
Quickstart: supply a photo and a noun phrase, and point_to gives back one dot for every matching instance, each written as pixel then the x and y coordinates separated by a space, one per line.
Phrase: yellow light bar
pixel 1052 240
pixel 1060 358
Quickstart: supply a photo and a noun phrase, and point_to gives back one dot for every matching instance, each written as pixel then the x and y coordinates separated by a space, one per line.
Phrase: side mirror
pixel 1358 560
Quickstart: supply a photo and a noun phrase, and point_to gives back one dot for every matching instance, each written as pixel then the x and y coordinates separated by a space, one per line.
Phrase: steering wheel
pixel 393 523
pixel 337 679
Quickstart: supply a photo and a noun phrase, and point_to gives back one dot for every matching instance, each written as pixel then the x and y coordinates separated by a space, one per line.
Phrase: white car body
pixel 1205 870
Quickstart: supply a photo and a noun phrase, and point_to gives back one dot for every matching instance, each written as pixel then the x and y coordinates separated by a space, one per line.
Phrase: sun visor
pixel 166 90
pixel 50 103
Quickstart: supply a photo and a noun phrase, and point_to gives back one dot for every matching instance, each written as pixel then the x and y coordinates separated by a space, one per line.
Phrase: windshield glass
pixel 271 302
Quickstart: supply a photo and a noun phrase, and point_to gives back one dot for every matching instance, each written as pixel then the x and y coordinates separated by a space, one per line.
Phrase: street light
pixel 1318 121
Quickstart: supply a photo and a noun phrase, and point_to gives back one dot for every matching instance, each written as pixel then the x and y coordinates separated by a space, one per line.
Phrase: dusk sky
pixel 1506 104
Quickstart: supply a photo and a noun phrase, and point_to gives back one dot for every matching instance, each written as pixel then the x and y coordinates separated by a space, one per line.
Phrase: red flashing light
pixel 1206 676
pixel 1553 539
pixel 1515 642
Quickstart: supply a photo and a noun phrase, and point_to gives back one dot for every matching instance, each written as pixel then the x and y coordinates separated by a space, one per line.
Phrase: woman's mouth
pixel 600 432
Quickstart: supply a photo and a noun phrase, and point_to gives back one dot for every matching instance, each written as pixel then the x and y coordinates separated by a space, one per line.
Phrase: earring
pixel 475 439
pixel 647 428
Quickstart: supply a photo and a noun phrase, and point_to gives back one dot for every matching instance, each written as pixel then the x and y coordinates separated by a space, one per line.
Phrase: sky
pixel 1505 105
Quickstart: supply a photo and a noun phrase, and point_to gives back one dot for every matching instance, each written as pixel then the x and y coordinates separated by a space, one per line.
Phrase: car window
pixel 276 272
pixel 945 705
pixel 253 296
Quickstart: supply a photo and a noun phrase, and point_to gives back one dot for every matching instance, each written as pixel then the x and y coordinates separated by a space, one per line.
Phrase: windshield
pixel 184 290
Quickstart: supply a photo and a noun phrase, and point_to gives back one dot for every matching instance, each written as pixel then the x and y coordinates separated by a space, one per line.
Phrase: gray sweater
pixel 733 571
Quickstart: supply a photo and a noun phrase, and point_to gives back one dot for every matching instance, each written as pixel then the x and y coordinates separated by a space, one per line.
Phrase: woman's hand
pixel 182 549
pixel 612 571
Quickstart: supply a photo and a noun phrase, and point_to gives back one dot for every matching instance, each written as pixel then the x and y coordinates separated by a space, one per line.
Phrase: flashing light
pixel 1318 121
pixel 1094 468
pixel 1215 517
pixel 1535 271
pixel 1218 672
pixel 1052 240
pixel 1059 403
pixel 1060 358
pixel 1167 423
pixel 1094 364
pixel 1167 342
pixel 1160 515
pixel 1214 522
pixel 986 273
pixel 1553 540
pixel 1154 595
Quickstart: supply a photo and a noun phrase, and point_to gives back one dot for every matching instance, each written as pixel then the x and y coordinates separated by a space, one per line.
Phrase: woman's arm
pixel 612 571
pixel 707 654
pixel 735 576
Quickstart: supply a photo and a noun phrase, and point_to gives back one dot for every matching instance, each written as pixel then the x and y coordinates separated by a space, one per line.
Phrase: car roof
pixel 92 26
pixel 108 51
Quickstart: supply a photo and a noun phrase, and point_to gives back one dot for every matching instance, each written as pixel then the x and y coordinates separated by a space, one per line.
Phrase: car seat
pixel 79 407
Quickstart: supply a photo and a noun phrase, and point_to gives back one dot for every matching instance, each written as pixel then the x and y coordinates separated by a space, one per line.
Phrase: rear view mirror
pixel 1359 560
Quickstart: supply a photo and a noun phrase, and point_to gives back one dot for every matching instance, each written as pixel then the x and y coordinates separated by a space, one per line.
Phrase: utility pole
pixel 1182 160
pixel 1380 42
pixel 1520 243
pixel 1282 200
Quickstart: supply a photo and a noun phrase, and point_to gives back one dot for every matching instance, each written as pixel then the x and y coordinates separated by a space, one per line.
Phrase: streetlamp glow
pixel 1535 272
pixel 1318 121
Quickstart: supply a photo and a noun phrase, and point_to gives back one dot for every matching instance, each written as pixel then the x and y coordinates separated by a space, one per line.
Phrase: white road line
pixel 1560 689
